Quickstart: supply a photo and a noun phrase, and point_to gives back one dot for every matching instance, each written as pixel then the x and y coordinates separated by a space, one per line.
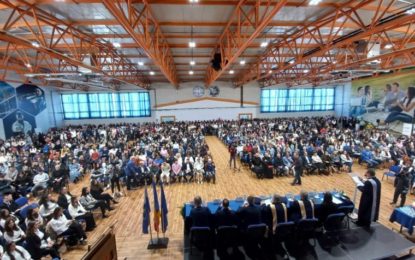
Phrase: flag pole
pixel 151 231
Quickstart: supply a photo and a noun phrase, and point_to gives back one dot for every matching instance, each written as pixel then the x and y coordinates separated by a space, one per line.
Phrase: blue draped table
pixel 237 203
pixel 405 216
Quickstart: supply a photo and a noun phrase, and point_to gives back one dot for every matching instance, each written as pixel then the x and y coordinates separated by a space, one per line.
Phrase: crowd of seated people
pixel 253 214
pixel 326 145
pixel 41 166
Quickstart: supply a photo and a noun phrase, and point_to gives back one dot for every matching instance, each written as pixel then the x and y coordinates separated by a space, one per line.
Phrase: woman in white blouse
pixel 13 233
pixel 78 212
pixel 4 215
pixel 62 226
pixel 15 252
pixel 47 206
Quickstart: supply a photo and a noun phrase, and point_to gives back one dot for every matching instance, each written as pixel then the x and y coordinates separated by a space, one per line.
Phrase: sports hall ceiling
pixel 149 41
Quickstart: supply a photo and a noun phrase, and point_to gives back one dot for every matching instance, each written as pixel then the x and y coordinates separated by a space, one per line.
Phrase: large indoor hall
pixel 207 129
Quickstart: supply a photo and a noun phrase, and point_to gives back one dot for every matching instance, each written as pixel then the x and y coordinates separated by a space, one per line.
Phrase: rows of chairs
pixel 226 237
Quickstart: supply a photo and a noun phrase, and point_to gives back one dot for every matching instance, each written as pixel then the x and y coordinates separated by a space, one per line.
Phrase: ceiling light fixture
pixel 192 44
pixel 388 46
pixel 306 71
pixel 263 44
pixel 270 71
pixel 28 65
pixel 192 63
pixel 291 61
pixel 116 44
pixel 314 2
pixel 35 44
pixel 140 63
pixel 231 72
pixel 242 62
pixel 152 73
pixel 193 1
pixel 191 72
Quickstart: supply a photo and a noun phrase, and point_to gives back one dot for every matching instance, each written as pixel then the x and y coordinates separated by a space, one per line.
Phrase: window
pixel 297 100
pixel 106 105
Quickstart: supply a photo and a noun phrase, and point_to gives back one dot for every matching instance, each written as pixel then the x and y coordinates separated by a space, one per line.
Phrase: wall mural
pixel 18 122
pixel 7 99
pixel 31 99
pixel 380 99
pixel 19 107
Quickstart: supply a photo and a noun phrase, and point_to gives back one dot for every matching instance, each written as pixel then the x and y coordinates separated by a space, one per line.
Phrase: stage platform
pixel 356 243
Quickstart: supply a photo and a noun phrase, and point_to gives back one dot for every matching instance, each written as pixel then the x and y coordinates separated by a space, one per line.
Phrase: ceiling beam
pixel 146 32
pixel 231 43
pixel 292 3
pixel 81 56
pixel 376 27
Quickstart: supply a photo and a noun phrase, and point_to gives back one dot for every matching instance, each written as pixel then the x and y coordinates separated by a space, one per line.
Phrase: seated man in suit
pixel 200 216
pixel 225 216
pixel 249 214
pixel 302 208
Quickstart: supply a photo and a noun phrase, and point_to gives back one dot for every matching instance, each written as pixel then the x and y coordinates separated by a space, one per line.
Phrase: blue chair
pixel 284 230
pixel 23 211
pixel 256 233
pixel 307 229
pixel 393 170
pixel 21 201
pixel 227 236
pixel 200 237
pixel 346 210
pixel 334 222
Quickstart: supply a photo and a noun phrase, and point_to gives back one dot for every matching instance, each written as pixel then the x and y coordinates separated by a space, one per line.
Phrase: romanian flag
pixel 157 212
pixel 146 212
pixel 164 210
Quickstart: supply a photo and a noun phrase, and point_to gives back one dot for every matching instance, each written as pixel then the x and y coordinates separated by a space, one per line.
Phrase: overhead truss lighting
pixel 315 2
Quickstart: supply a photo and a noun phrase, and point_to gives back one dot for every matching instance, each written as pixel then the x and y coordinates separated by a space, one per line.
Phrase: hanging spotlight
pixel 192 44
pixel 116 44
pixel 192 63
pixel 35 44
pixel 231 72
pixel 140 63
pixel 152 73
pixel 191 72
pixel 242 62
pixel 388 46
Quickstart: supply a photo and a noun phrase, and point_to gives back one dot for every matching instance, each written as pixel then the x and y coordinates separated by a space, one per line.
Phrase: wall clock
pixel 198 91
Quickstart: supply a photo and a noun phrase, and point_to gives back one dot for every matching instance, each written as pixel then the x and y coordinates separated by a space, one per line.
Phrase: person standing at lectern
pixel 370 199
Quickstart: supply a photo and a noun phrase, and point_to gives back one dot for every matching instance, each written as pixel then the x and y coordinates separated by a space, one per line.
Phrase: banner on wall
pixel 382 98
pixel 7 99
pixel 30 99
pixel 18 122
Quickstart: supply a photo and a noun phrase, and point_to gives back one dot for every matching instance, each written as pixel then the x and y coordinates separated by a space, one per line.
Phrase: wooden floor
pixel 127 217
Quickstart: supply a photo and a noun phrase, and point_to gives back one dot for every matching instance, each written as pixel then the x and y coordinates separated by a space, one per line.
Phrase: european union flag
pixel 156 215
pixel 164 210
pixel 146 212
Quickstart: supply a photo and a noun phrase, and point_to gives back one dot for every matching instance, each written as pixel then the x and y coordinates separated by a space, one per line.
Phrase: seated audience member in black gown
pixel 302 208
pixel 277 212
pixel 37 244
pixel 98 193
pixel 64 198
pixel 327 207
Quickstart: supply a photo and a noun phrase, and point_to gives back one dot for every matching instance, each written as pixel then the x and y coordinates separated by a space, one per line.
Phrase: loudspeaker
pixel 217 61
pixel 360 46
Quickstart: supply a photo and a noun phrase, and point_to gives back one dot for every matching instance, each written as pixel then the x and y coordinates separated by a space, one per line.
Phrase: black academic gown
pixel 366 202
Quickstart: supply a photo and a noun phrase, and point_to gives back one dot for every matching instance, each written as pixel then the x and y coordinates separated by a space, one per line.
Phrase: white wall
pixel 206 110
pixel 163 97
